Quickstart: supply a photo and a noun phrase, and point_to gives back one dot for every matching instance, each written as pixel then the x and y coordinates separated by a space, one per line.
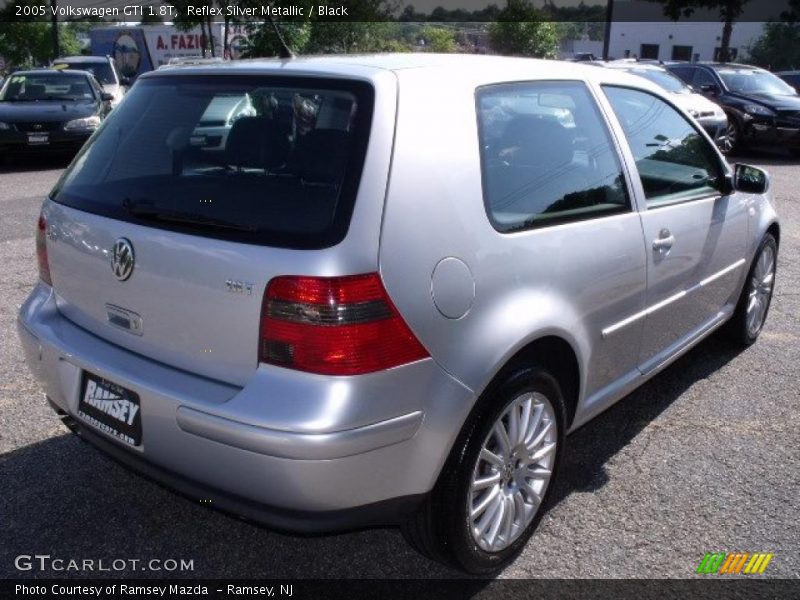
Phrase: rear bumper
pixel 257 451
pixel 386 512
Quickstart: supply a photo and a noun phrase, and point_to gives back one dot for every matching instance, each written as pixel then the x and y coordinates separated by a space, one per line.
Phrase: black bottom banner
pixel 539 589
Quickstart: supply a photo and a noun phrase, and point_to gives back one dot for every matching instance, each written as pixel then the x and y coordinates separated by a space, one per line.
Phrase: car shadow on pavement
pixel 62 498
pixel 21 164
pixel 589 448
pixel 767 157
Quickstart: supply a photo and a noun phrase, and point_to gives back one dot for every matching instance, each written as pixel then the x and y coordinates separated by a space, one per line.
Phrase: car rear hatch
pixel 163 243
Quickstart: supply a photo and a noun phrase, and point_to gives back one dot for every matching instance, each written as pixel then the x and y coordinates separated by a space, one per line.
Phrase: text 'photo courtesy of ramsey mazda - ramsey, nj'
pixel 383 290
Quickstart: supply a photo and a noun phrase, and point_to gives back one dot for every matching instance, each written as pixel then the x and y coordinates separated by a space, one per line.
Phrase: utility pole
pixel 54 27
pixel 607 36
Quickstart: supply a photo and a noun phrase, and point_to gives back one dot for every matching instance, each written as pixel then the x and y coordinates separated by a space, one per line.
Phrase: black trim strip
pixel 387 513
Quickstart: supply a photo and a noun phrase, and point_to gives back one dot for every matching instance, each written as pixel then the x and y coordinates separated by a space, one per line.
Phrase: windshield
pixel 35 87
pixel 101 70
pixel 261 160
pixel 751 81
pixel 662 78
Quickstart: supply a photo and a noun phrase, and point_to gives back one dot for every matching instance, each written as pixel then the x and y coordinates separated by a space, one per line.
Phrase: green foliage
pixel 262 40
pixel 778 48
pixel 28 43
pixel 521 31
pixel 438 39
pixel 341 37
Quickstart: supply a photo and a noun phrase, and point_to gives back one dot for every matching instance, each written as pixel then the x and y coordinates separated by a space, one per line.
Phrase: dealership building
pixel 639 29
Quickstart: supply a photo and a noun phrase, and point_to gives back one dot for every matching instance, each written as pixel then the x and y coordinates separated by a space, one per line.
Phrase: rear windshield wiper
pixel 147 210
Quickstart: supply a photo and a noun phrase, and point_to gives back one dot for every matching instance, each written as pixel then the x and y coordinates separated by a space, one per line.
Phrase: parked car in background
pixel 50 111
pixel 708 114
pixel 583 57
pixel 790 77
pixel 211 133
pixel 104 70
pixel 762 109
pixel 183 61
pixel 282 334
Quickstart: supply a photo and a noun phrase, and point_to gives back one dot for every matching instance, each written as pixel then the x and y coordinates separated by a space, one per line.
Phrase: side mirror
pixel 106 97
pixel 125 81
pixel 710 88
pixel 750 180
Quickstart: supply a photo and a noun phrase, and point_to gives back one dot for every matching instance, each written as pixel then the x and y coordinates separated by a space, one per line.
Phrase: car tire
pixel 444 528
pixel 733 137
pixel 754 302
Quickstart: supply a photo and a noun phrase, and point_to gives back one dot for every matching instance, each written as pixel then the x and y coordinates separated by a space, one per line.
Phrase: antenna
pixel 285 51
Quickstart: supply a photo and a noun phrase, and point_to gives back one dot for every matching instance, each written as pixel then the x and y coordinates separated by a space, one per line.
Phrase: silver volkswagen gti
pixel 396 289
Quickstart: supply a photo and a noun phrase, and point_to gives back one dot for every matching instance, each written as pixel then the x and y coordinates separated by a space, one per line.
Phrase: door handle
pixel 664 241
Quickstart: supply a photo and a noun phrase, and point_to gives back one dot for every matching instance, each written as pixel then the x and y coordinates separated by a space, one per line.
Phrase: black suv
pixel 762 108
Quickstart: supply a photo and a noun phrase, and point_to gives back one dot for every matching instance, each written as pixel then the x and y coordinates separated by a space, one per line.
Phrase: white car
pixel 104 70
pixel 708 114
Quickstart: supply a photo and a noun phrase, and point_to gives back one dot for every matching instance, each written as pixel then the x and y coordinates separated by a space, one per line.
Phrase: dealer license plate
pixel 38 138
pixel 111 408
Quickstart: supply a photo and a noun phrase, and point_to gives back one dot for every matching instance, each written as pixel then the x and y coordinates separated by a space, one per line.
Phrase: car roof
pixel 474 69
pixel 53 72
pixel 625 64
pixel 83 59
pixel 716 65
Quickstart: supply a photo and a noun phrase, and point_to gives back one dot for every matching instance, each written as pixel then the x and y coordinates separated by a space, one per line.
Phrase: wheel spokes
pixel 760 292
pixel 512 472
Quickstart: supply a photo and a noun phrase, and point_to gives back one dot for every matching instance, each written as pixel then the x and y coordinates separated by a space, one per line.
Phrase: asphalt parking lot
pixel 703 458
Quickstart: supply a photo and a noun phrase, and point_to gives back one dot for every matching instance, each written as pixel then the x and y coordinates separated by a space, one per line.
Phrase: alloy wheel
pixel 728 143
pixel 512 472
pixel 760 292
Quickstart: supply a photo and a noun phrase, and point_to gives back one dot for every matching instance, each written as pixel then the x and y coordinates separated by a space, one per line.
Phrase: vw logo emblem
pixel 122 259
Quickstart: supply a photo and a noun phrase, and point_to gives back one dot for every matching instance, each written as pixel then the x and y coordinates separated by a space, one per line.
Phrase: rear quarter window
pixel 546 156
pixel 263 160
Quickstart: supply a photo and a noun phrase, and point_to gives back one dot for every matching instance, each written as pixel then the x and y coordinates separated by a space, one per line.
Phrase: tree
pixel 186 22
pixel 25 42
pixel 345 37
pixel 779 45
pixel 438 39
pixel 366 29
pixel 521 31
pixel 262 40
pixel 729 12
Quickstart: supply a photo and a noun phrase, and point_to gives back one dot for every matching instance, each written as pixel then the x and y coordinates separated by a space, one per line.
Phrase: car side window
pixel 546 156
pixel 675 162
pixel 685 73
pixel 703 77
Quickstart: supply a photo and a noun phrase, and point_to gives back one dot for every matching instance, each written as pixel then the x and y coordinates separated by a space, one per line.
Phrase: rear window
pixel 101 70
pixel 263 160
pixel 37 87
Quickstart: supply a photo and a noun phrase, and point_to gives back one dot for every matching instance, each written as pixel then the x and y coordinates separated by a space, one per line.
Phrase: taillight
pixel 334 326
pixel 41 251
